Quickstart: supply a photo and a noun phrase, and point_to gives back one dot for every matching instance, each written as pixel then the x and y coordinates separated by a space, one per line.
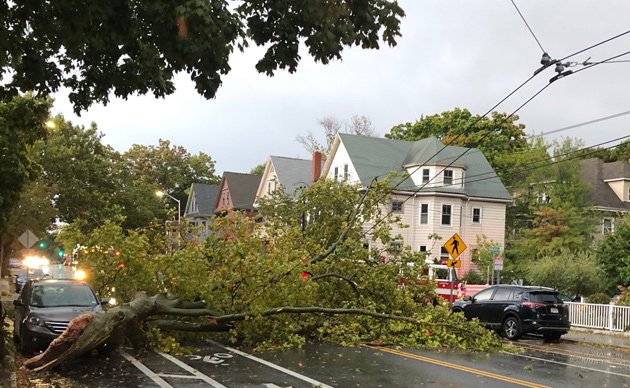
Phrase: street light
pixel 161 193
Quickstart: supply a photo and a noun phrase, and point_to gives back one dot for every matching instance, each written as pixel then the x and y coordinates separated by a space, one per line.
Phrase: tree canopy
pixel 119 48
pixel 22 124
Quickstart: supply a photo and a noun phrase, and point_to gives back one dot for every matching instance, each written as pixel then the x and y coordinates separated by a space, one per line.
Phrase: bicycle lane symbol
pixel 215 359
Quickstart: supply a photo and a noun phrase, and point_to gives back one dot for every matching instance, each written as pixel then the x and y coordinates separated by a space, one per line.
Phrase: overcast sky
pixel 466 54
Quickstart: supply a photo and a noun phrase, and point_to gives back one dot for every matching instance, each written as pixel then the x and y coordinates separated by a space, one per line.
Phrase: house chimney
pixel 316 166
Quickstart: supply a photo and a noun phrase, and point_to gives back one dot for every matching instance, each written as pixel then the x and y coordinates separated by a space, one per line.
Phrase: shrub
pixel 473 277
pixel 599 298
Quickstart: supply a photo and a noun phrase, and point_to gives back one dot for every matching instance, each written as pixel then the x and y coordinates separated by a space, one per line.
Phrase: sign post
pixel 454 246
pixel 498 266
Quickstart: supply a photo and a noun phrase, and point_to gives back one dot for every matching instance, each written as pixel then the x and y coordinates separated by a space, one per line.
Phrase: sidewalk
pixel 598 337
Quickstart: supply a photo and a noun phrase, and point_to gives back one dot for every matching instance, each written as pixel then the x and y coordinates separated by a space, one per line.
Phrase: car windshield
pixel 55 295
pixel 545 297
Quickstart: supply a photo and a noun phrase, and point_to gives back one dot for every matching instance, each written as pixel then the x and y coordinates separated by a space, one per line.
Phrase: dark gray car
pixel 45 307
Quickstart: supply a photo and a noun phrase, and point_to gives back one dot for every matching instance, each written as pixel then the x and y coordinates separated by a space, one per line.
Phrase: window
pixel 424 214
pixel 608 225
pixel 446 214
pixel 448 177
pixel 346 175
pixel 423 248
pixel 336 173
pixel 484 295
pixel 503 294
pixel 271 186
pixel 543 198
pixel 425 175
pixel 395 247
pixel 476 215
pixel 397 206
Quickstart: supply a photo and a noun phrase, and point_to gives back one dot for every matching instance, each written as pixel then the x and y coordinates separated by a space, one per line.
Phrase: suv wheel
pixel 512 328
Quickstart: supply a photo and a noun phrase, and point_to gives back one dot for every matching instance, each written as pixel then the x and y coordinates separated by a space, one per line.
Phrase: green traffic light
pixel 42 244
pixel 60 253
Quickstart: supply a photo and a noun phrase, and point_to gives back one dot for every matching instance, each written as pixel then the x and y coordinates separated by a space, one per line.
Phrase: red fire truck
pixel 447 280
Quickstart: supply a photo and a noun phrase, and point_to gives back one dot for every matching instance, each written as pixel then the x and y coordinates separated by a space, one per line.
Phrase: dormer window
pixel 336 173
pixel 346 174
pixel 448 177
pixel 425 175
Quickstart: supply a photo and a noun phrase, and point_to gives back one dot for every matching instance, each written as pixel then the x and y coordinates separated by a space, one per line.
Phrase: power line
pixel 581 124
pixel 528 27
pixel 483 136
pixel 595 45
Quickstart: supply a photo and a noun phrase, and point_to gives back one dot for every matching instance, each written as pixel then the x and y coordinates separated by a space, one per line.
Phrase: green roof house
pixel 440 189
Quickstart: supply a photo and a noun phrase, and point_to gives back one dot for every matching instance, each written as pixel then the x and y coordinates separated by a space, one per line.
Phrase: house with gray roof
pixel 609 191
pixel 237 192
pixel 440 189
pixel 200 204
pixel 288 174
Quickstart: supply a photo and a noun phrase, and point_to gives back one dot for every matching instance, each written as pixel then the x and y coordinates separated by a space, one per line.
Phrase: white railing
pixel 599 316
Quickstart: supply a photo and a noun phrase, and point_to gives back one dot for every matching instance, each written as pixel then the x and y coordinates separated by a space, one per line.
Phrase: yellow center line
pixel 458 367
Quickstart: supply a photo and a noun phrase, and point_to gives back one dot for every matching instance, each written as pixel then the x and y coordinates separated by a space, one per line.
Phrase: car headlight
pixel 33 320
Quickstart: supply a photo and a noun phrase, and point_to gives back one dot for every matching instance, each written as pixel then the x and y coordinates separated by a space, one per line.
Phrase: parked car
pixel 45 307
pixel 515 310
pixel 15 263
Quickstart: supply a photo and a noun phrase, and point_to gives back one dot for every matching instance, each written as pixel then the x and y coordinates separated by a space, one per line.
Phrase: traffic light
pixel 42 245
pixel 60 253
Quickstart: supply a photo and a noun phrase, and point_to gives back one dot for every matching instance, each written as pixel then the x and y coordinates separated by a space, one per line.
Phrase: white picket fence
pixel 599 316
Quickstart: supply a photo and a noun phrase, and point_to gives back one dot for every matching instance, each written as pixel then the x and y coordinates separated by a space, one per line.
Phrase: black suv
pixel 516 310
pixel 45 307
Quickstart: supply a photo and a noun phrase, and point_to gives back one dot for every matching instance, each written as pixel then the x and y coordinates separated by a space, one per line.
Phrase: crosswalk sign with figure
pixel 455 246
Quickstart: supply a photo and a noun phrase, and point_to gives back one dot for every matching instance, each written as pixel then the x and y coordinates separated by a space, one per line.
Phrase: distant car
pixel 15 263
pixel 21 279
pixel 516 310
pixel 44 309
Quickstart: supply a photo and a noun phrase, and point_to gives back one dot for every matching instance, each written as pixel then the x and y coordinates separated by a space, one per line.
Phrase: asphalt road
pixel 531 364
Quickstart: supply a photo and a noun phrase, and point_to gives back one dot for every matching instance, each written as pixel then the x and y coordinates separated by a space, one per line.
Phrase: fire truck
pixel 445 277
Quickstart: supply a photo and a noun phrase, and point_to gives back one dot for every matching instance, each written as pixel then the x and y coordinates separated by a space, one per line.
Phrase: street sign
pixel 455 246
pixel 28 239
pixel 454 263
pixel 498 263
pixel 495 250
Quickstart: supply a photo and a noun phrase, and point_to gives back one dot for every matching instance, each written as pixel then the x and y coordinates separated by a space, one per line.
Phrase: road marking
pixel 192 370
pixel 565 364
pixel 458 367
pixel 152 375
pixel 586 357
pixel 271 365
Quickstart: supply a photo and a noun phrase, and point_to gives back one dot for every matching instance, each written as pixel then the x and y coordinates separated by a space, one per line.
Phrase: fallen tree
pixel 274 284
pixel 91 331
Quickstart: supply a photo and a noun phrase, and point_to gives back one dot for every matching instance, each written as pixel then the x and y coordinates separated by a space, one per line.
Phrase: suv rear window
pixel 545 297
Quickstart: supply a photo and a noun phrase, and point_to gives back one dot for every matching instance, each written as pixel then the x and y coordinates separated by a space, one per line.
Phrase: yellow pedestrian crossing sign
pixel 455 246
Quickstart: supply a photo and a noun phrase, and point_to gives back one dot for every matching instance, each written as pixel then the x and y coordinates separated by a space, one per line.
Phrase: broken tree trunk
pixel 89 331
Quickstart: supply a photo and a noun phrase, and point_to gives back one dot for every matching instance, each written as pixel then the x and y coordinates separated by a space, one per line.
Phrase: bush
pixel 599 298
pixel 473 277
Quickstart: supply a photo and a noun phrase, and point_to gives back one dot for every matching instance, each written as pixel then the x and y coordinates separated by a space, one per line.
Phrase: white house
pixel 449 189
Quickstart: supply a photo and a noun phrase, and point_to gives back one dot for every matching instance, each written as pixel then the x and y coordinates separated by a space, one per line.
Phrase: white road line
pixel 565 364
pixel 271 365
pixel 192 370
pixel 190 377
pixel 152 375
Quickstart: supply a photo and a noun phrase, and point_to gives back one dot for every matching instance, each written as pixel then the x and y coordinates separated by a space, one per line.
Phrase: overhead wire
pixel 528 27
pixel 486 134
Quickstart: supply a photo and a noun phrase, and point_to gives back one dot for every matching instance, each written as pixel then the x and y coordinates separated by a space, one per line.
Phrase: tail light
pixel 533 305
